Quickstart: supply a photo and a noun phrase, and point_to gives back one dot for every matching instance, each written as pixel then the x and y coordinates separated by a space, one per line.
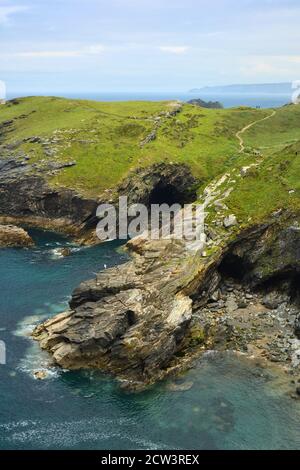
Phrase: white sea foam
pixel 35 359
pixel 27 324
pixel 73 433
pixel 56 253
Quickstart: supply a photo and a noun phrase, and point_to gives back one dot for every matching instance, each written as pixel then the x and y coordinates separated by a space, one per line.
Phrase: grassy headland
pixel 107 140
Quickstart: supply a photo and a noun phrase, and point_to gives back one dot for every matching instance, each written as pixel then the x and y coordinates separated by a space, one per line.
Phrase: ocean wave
pixel 70 434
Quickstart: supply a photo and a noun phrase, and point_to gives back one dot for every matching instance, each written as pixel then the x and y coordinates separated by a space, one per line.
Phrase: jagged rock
pixel 12 236
pixel 150 137
pixel 231 304
pixel 268 251
pixel 27 195
pixel 130 320
pixel 133 319
pixel 242 303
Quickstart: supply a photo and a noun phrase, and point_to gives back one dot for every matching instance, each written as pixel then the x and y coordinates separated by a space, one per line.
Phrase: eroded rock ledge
pixel 130 320
pixel 12 236
pixel 146 318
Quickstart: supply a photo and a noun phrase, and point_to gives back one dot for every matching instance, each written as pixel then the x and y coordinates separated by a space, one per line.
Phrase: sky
pixel 146 45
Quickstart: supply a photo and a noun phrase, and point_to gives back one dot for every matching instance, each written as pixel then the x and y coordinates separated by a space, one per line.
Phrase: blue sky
pixel 146 45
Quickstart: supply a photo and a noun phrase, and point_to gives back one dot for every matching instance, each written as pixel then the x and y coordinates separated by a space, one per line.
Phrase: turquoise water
pixel 223 403
pixel 229 100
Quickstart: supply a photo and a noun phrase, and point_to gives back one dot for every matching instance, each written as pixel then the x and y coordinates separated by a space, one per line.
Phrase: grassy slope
pixel 275 183
pixel 104 140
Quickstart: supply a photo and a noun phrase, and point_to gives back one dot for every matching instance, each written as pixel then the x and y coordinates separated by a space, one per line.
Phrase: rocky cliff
pixel 25 196
pixel 238 289
pixel 148 317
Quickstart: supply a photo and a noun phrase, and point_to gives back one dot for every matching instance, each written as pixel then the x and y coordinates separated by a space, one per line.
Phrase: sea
pixel 224 402
pixel 229 100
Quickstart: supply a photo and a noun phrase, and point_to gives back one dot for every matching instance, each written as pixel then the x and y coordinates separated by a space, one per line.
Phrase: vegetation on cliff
pixel 144 319
pixel 91 146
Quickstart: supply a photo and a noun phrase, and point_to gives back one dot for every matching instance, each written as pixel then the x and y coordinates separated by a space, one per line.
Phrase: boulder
pixel 230 221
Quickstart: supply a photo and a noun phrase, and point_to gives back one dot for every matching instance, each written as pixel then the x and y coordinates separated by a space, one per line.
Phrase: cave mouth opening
pixel 233 266
pixel 166 194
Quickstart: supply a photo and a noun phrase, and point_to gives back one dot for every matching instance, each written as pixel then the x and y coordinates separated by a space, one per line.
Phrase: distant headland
pixel 264 88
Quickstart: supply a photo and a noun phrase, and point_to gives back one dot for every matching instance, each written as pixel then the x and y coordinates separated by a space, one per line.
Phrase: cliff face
pixel 130 320
pixel 142 320
pixel 25 195
pixel 138 321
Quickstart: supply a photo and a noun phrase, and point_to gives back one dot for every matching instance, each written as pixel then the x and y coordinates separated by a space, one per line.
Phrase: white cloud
pixel 174 49
pixel 95 49
pixel 7 11
pixel 286 66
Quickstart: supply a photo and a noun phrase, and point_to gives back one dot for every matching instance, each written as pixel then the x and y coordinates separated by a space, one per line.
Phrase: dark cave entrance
pixel 233 266
pixel 166 194
pixel 236 268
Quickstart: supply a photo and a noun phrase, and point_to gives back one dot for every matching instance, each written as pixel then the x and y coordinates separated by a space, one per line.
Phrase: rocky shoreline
pixel 259 324
pixel 175 299
pixel 12 237
pixel 152 316
pixel 27 198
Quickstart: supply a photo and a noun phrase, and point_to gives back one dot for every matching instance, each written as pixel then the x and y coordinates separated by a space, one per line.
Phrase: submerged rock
pixel 40 374
pixel 64 251
pixel 180 387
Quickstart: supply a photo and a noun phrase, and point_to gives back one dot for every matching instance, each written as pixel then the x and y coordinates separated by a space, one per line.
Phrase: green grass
pixel 274 185
pixel 281 130
pixel 104 140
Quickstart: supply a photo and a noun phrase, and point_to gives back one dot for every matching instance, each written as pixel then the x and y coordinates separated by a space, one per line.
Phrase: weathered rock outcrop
pixel 25 194
pixel 132 320
pixel 11 236
pixel 269 252
pixel 205 104
pixel 160 183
